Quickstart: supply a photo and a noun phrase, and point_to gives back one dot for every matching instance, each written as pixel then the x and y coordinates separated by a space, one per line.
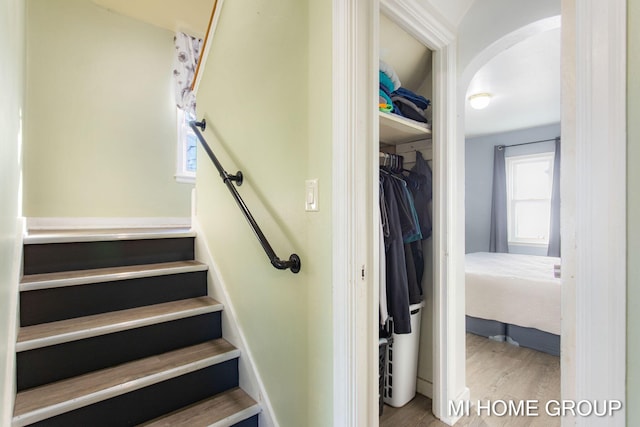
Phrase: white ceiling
pixel 524 81
pixel 189 16
pixel 452 10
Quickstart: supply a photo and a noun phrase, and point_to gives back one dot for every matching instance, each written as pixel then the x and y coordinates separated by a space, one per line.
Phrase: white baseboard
pixel 250 379
pixel 464 396
pixel 93 223
pixel 9 386
pixel 425 387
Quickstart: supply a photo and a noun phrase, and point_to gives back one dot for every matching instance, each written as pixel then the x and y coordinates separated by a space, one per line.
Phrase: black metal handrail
pixel 294 260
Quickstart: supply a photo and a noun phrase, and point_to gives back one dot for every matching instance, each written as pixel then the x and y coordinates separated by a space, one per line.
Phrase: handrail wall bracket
pixel 201 124
pixel 237 178
pixel 293 263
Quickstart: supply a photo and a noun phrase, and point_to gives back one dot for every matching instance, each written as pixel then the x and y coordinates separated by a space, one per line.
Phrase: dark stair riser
pixel 48 364
pixel 249 422
pixel 57 257
pixel 52 304
pixel 153 401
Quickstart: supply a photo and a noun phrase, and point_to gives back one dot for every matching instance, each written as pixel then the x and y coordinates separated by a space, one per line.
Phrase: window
pixel 529 183
pixel 187 148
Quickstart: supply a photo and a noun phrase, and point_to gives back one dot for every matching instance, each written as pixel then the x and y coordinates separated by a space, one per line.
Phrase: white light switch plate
pixel 311 195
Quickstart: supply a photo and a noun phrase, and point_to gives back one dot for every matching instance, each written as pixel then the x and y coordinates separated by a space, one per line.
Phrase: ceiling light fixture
pixel 479 101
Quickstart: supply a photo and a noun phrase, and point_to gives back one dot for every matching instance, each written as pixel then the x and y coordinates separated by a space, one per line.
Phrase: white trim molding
pixel 355 89
pixel 448 200
pixel 599 141
pixel 213 25
pixel 250 379
pixel 9 369
pixel 428 27
pixel 99 223
pixel 424 387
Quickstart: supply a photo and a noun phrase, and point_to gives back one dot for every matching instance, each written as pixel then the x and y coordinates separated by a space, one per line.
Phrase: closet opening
pixel 406 235
pixel 356 146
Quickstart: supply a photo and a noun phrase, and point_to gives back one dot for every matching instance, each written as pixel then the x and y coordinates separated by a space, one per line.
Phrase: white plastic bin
pixel 402 362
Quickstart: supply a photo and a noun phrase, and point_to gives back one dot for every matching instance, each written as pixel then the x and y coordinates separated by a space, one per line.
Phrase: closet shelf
pixel 398 130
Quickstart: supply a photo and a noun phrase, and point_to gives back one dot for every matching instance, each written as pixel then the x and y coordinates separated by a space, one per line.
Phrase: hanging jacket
pixel 419 182
pixel 395 263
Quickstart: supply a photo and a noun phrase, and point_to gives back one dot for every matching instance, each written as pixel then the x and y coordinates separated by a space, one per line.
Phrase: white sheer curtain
pixel 187 54
pixel 498 239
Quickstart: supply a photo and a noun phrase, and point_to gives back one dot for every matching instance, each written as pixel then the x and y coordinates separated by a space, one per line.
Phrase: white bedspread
pixel 516 289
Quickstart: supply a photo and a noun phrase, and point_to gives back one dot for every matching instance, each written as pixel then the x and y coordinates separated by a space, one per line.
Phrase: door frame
pixel 354 327
pixel 355 216
pixel 593 213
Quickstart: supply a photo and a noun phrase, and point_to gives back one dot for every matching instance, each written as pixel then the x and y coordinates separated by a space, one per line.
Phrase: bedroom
pixel 512 192
pixel 512 261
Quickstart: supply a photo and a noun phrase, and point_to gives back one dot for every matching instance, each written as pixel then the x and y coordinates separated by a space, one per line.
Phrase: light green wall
pixel 100 127
pixel 11 103
pixel 266 96
pixel 633 213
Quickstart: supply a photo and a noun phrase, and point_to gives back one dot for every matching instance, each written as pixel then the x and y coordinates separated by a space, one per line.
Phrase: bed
pixel 514 298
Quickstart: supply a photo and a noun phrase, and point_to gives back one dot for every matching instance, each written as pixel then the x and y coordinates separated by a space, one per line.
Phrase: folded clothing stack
pixel 387 87
pixel 410 105
pixel 395 99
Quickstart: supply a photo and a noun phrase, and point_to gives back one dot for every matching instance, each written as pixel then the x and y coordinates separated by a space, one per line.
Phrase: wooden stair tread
pixel 155 355
pixel 62 396
pixel 52 333
pixel 80 277
pixel 224 409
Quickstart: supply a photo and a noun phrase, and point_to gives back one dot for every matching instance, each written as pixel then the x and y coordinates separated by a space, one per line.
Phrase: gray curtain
pixel 554 228
pixel 498 241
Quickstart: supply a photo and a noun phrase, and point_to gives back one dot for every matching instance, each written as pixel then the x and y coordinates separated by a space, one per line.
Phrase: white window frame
pixel 511 163
pixel 182 175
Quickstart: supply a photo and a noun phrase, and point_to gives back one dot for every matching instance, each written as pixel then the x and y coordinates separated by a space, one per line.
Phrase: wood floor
pixel 495 371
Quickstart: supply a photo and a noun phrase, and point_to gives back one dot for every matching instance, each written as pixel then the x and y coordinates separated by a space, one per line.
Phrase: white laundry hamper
pixel 402 362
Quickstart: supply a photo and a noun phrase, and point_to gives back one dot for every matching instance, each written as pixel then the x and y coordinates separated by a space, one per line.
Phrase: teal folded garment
pixel 385 96
pixel 386 82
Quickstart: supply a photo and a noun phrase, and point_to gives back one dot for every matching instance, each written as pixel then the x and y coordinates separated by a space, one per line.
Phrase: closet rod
pixel 527 143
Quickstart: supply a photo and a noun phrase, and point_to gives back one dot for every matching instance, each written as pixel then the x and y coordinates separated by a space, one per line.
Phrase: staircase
pixel 117 330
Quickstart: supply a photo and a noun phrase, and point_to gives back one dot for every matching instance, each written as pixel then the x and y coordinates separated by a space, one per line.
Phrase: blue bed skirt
pixel 517 335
